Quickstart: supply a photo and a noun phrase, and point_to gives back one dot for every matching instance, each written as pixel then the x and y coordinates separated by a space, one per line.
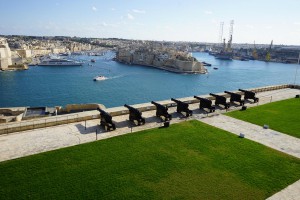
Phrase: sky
pixel 170 20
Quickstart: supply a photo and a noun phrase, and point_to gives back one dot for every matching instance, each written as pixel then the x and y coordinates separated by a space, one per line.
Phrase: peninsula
pixel 158 56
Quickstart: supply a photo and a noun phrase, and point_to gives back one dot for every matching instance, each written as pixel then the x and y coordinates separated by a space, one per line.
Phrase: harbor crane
pixel 254 52
pixel 220 38
pixel 268 55
pixel 230 36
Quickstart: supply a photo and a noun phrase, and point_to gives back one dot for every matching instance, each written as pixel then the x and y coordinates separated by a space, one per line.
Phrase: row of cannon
pixel 135 115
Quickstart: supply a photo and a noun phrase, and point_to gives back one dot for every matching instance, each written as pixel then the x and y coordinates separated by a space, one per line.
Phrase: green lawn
pixel 282 116
pixel 190 160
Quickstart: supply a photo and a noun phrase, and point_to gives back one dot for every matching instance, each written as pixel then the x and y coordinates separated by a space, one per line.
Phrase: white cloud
pixel 112 9
pixel 139 11
pixel 208 12
pixel 214 21
pixel 296 23
pixel 94 8
pixel 269 27
pixel 108 25
pixel 129 16
pixel 250 26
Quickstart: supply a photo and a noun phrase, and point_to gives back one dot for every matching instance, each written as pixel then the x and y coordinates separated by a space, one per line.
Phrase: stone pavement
pixel 292 192
pixel 267 137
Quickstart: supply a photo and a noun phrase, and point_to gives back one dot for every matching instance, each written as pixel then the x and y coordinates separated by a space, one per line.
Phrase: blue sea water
pixel 131 84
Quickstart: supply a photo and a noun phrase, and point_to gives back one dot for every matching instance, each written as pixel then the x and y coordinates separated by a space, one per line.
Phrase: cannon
pixel 106 120
pixel 135 115
pixel 234 97
pixel 162 111
pixel 183 107
pixel 220 100
pixel 206 103
pixel 249 95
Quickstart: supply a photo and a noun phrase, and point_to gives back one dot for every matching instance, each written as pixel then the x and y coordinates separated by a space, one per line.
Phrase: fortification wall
pixel 116 111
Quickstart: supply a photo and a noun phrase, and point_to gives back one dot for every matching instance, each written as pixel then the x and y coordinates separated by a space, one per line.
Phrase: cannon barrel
pixel 129 107
pixel 244 90
pixel 158 105
pixel 175 100
pixel 235 95
pixel 247 91
pixel 215 95
pixel 231 93
pixel 199 98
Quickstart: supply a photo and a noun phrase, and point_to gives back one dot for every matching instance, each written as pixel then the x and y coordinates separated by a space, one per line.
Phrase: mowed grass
pixel 190 160
pixel 282 116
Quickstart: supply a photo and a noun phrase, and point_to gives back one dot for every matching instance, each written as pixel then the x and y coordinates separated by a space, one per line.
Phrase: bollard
pixel 244 108
pixel 166 124
pixel 297 96
pixel 96 134
pixel 85 124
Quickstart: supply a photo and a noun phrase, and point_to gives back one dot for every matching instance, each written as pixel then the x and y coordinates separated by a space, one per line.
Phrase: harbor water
pixel 132 84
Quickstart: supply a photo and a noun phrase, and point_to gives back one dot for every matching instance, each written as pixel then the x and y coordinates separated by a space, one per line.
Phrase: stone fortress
pixel 5 54
pixel 169 59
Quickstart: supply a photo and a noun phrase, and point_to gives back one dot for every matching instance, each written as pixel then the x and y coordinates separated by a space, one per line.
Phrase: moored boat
pixel 60 62
pixel 99 78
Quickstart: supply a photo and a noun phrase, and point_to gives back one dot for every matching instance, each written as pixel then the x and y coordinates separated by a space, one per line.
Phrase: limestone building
pixel 5 54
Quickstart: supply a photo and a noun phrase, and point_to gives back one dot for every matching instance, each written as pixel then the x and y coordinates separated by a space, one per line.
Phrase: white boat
pixel 99 78
pixel 60 62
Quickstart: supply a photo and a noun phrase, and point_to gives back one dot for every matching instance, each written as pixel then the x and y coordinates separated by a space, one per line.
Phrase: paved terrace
pixel 24 143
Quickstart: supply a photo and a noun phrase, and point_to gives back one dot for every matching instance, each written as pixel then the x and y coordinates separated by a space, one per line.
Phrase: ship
pixel 223 56
pixel 60 62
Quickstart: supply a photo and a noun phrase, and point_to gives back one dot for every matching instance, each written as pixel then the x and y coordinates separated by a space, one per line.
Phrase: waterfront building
pixel 161 57
pixel 5 54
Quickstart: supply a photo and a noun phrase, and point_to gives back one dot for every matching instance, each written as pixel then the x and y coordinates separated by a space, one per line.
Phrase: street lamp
pixel 296 71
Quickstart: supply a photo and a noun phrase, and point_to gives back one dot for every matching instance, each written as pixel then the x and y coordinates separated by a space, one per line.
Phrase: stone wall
pixel 24 53
pixel 116 111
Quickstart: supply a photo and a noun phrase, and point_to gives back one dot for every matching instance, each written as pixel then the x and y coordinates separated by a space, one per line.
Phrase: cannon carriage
pixel 135 115
pixel 162 111
pixel 205 103
pixel 234 97
pixel 183 107
pixel 249 95
pixel 220 100
pixel 106 120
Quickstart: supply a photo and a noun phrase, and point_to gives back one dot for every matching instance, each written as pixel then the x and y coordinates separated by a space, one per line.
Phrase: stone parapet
pixel 115 111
